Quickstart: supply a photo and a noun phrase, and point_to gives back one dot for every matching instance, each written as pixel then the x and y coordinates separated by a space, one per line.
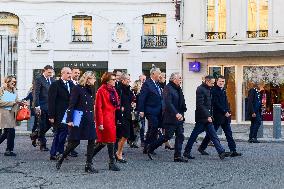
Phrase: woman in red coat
pixel 106 103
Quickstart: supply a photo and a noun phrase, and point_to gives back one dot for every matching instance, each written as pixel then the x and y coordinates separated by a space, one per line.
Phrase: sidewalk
pixel 240 133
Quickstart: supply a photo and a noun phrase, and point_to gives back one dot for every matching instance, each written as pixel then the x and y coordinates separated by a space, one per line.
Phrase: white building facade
pixel 90 34
pixel 240 39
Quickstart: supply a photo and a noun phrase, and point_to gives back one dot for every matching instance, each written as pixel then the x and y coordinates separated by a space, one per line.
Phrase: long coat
pixel 220 105
pixel 58 100
pixel 7 117
pixel 81 99
pixel 41 87
pixel 203 104
pixel 254 102
pixel 172 106
pixel 105 115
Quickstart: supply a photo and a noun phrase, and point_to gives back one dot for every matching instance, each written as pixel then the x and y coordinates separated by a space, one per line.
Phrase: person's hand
pixel 253 115
pixel 122 109
pixel 179 117
pixel 37 111
pixel 141 114
pixel 227 114
pixel 70 124
pixel 101 127
pixel 210 119
pixel 51 120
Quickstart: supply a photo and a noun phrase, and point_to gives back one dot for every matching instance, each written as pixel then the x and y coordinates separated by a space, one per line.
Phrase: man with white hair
pixel 150 106
pixel 58 102
pixel 173 117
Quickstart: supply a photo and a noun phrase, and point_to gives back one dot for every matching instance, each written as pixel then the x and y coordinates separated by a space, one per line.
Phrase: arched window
pixel 216 19
pixel 257 18
pixel 82 28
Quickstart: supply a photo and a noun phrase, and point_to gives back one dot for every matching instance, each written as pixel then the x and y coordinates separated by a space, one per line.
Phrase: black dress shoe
pixel 202 152
pixel 43 148
pixel 113 167
pixel 53 158
pixel 169 148
pixel 250 140
pixel 150 155
pixel 73 154
pixel 90 169
pixel 34 143
pixel 120 160
pixel 223 155
pixel 235 154
pixel 59 163
pixel 188 156
pixel 180 159
pixel 254 140
pixel 9 153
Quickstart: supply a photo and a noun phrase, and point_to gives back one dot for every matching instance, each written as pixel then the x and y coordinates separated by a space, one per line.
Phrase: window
pixel 257 18
pixel 216 19
pixel 82 28
pixel 154 29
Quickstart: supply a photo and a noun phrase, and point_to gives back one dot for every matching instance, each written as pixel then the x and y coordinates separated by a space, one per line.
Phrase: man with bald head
pixel 58 102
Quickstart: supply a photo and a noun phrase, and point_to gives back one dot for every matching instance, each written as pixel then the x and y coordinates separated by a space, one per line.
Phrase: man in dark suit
pixel 41 86
pixel 173 117
pixel 254 113
pixel 221 117
pixel 204 119
pixel 150 105
pixel 58 102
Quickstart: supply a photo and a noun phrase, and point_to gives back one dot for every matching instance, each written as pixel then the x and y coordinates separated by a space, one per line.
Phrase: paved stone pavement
pixel 261 166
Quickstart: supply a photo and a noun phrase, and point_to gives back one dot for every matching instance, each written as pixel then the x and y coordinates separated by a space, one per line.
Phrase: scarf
pixel 181 100
pixel 113 96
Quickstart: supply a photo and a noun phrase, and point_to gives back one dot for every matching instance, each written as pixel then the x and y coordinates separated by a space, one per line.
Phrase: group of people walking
pixel 115 114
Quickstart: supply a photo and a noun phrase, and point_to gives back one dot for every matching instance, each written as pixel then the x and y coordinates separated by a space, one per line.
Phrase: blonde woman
pixel 8 107
pixel 81 100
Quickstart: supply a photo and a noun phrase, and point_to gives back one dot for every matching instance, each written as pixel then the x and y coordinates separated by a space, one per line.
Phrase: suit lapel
pixel 154 87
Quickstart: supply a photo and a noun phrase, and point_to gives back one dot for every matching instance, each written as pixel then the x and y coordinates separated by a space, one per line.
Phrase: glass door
pixel 229 72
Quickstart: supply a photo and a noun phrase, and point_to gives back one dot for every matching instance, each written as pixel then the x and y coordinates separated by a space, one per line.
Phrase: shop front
pixel 241 73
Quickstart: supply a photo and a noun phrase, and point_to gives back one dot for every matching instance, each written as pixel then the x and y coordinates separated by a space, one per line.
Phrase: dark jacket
pixel 203 104
pixel 41 87
pixel 126 98
pixel 81 99
pixel 173 104
pixel 254 102
pixel 150 100
pixel 220 104
pixel 58 100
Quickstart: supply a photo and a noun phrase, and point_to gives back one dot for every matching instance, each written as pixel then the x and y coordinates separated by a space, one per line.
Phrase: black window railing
pixel 154 41
pixel 215 35
pixel 81 38
pixel 257 33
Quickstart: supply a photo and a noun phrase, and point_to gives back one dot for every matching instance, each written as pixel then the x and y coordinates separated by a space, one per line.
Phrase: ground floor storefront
pixel 240 73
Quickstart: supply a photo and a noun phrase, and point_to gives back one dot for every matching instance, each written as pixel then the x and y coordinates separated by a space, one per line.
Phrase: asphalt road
pixel 261 166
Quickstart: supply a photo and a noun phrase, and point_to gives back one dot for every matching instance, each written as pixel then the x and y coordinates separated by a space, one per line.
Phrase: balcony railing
pixel 215 35
pixel 153 41
pixel 257 33
pixel 81 38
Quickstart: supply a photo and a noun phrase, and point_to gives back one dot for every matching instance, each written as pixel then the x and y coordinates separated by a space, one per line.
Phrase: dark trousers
pixel 44 126
pixel 255 124
pixel 59 140
pixel 154 122
pixel 72 144
pixel 9 134
pixel 228 133
pixel 110 148
pixel 142 130
pixel 170 130
pixel 210 130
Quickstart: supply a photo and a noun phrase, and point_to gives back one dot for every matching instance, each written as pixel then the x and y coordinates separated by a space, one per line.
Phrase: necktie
pixel 48 81
pixel 158 88
pixel 68 87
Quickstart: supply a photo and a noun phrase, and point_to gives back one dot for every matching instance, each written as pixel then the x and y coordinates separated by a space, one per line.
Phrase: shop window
pixel 216 19
pixel 257 18
pixel 81 28
pixel 154 31
pixel 270 80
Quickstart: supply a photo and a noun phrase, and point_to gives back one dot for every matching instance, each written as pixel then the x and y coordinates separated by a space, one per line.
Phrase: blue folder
pixel 77 116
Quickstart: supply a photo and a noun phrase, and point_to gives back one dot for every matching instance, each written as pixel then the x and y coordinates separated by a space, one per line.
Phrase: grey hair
pixel 154 69
pixel 64 69
pixel 124 76
pixel 174 76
